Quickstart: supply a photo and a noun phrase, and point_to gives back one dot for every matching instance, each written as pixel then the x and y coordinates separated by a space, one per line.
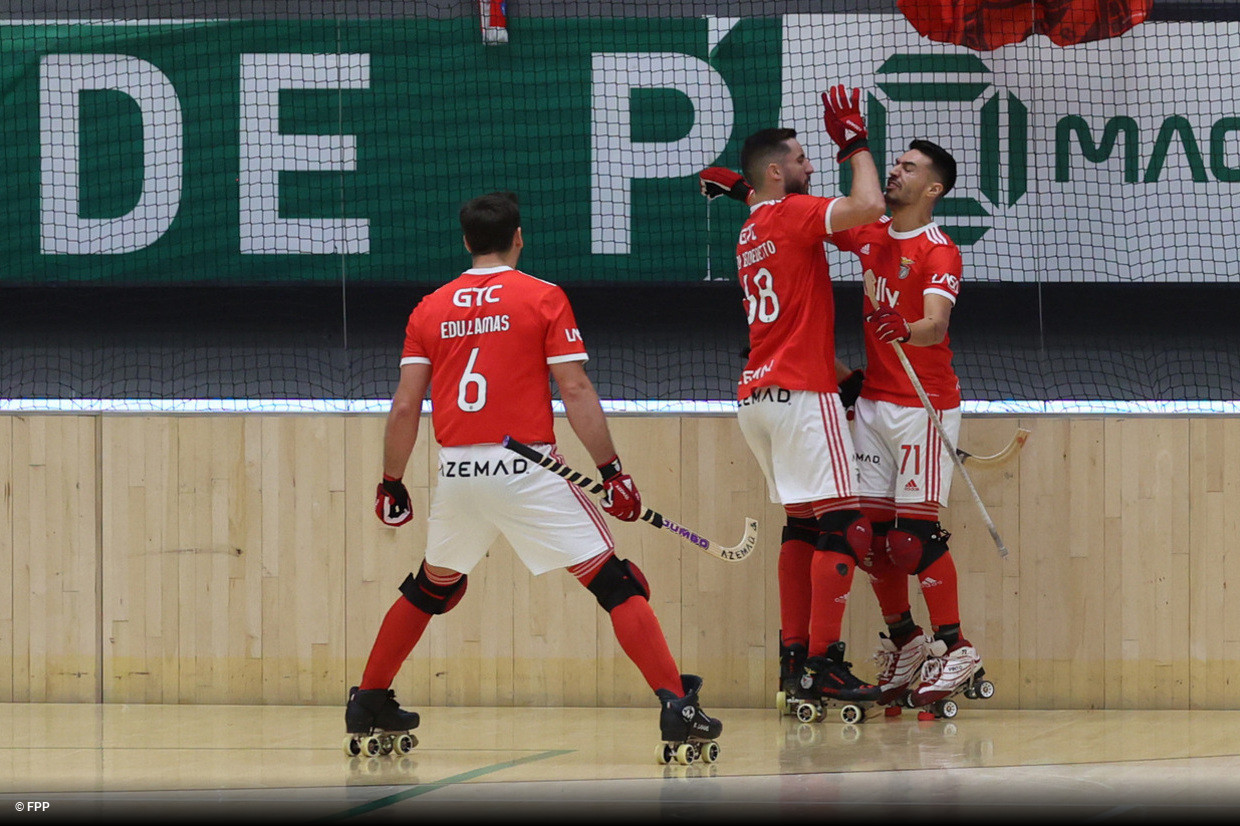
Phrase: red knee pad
pixel 904 549
pixel 847 532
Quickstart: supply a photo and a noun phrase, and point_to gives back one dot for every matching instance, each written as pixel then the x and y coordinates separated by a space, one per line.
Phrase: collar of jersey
pixel 754 208
pixel 485 270
pixel 913 233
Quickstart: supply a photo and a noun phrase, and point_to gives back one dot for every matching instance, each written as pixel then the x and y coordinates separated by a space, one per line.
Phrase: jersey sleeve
pixel 563 340
pixel 807 216
pixel 845 239
pixel 944 270
pixel 415 351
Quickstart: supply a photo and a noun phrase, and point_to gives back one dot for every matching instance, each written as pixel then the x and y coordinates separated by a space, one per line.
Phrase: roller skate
pixel 827 682
pixel 899 669
pixel 688 732
pixel 946 673
pixel 377 725
pixel 791 661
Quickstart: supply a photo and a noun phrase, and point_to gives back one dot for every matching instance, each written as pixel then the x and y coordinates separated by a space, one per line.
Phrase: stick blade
pixel 742 549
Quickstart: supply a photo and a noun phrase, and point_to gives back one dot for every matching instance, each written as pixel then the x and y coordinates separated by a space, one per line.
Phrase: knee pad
pixel 429 597
pixel 616 581
pixel 915 544
pixel 800 529
pixel 878 545
pixel 846 532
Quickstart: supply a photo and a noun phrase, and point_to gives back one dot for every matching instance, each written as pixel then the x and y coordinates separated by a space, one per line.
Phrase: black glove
pixel 850 388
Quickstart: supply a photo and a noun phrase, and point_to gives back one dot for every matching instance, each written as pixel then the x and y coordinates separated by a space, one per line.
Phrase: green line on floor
pixel 424 788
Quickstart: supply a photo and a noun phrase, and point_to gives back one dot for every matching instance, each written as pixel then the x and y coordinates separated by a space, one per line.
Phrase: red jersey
pixel 490 336
pixel 908 266
pixel 782 267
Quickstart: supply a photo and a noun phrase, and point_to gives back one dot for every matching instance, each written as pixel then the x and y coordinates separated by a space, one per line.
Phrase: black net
pixel 245 202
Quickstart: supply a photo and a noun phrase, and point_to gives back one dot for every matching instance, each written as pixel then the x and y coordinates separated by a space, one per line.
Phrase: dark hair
pixel 760 149
pixel 489 222
pixel 941 162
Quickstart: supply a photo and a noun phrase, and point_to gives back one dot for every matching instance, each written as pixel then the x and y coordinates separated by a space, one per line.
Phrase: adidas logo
pixel 930 582
pixel 912 485
pixel 865 249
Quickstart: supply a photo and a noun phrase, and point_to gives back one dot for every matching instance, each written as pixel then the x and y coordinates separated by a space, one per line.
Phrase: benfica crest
pixel 906 264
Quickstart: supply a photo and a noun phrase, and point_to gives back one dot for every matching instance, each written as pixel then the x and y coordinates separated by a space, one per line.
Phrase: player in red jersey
pixel 789 408
pixel 905 471
pixel 487 344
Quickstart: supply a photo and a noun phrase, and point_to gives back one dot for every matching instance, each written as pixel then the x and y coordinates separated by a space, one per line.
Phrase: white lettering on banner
pixel 62 79
pixel 266 152
pixel 616 159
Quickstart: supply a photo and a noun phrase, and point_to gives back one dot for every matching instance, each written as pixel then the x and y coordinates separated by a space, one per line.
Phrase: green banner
pixel 247 153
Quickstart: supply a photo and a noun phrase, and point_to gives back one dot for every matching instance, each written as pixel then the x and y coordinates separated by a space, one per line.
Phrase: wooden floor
pixel 128 763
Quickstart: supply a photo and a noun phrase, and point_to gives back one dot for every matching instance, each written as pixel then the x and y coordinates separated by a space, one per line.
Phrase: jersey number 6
pixel 469 377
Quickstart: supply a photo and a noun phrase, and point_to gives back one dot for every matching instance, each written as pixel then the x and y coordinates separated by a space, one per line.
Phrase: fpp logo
pixel 952 101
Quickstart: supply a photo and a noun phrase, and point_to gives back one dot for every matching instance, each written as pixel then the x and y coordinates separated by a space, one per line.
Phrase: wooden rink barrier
pixel 236 559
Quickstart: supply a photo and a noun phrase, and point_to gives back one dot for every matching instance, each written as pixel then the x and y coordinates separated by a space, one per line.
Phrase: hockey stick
pixel 729 554
pixel 996 459
pixel 870 292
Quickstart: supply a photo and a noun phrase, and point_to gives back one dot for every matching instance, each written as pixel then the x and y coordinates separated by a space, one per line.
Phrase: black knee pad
pixel 916 544
pixel 616 581
pixel 846 532
pixel 429 597
pixel 800 528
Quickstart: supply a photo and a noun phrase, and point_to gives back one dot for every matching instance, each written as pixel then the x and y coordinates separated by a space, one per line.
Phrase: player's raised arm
pixel 842 118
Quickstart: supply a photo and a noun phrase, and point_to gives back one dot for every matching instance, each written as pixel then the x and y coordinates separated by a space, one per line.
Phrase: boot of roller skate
pixel 899 669
pixel 791 661
pixel 377 725
pixel 828 682
pixel 688 732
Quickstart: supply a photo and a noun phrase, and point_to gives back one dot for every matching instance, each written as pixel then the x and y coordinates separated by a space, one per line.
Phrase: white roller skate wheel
pixel 710 752
pixel 852 714
pixel 948 709
pixel 404 744
pixel 351 746
pixel 371 747
pixel 387 742
pixel 807 712
pixel 665 754
pixel 781 702
pixel 985 689
pixel 685 754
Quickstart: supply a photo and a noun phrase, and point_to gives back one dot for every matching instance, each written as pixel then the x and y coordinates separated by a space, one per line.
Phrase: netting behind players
pixel 246 201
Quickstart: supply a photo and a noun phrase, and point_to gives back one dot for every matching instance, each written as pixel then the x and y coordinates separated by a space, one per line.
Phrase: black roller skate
pixel 377 725
pixel 791 661
pixel 688 732
pixel 828 682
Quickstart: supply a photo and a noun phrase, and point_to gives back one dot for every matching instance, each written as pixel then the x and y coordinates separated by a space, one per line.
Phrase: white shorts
pixel 802 443
pixel 487 490
pixel 899 453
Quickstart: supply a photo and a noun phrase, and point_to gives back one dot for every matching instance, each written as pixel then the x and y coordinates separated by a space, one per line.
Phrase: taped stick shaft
pixel 733 553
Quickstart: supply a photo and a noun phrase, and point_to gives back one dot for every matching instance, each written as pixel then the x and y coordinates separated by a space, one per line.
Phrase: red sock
pixel 640 635
pixel 832 574
pixel 890 584
pixel 940 589
pixel 399 633
pixel 795 558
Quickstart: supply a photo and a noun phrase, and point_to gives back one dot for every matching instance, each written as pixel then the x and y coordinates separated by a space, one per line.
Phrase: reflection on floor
pixel 137 762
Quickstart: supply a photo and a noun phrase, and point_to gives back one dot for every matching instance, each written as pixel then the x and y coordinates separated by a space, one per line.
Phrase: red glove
pixel 622 499
pixel 719 180
pixel 392 502
pixel 889 325
pixel 842 117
